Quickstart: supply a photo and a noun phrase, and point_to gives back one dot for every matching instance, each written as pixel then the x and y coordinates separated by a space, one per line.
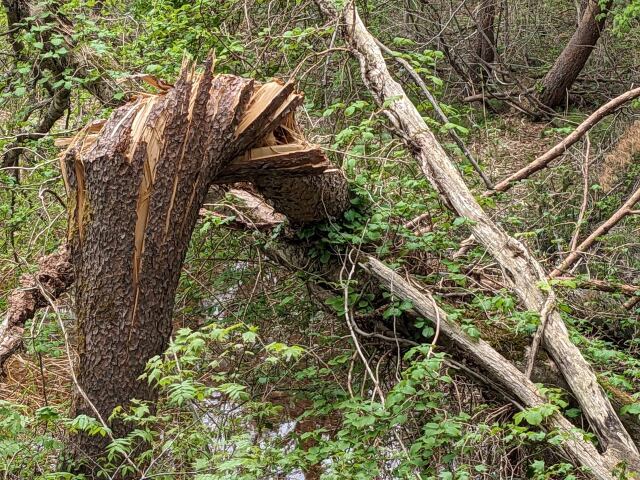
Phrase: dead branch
pixel 436 107
pixel 523 272
pixel 546 158
pixel 54 276
pixel 573 257
pixel 632 302
pixel 600 285
pixel 585 197
pixel 482 97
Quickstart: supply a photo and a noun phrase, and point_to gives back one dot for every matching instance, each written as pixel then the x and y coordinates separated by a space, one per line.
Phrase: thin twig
pixel 537 338
pixel 585 197
pixel 576 254
pixel 544 160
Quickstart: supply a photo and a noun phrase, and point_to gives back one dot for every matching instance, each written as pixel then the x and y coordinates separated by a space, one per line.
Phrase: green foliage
pixel 626 14
pixel 262 380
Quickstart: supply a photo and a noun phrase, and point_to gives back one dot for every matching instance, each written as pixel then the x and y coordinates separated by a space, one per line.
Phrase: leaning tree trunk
pixel 135 189
pixel 573 58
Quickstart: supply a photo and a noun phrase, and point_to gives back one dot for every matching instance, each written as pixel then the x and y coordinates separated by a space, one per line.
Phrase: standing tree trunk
pixel 486 40
pixel 573 58
pixel 135 190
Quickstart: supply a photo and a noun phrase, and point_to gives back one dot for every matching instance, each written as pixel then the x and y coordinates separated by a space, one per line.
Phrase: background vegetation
pixel 262 379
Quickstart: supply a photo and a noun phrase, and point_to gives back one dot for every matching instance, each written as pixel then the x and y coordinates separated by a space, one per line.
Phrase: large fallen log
pixel 522 271
pixel 292 255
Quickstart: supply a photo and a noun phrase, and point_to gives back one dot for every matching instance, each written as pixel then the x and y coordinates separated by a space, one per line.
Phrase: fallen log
pixel 53 278
pixel 512 385
pixel 495 366
pixel 522 271
pixel 600 285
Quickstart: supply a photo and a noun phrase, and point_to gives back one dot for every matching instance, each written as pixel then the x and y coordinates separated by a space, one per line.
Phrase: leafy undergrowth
pixel 263 378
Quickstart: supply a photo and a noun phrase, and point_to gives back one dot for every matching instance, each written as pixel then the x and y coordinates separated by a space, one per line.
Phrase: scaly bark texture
pixel 135 187
pixel 573 58
pixel 54 276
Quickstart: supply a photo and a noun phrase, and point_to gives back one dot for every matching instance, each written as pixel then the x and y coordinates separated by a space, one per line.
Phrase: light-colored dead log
pixel 292 257
pixel 522 271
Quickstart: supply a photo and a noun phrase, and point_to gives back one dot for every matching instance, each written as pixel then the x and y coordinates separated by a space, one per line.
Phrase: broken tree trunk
pixel 573 58
pixel 135 190
pixel 522 271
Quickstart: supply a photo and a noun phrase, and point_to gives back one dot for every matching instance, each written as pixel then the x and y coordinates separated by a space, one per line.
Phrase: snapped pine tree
pixel 135 186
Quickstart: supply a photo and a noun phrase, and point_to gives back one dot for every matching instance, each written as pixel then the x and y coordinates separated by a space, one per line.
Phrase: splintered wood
pixel 135 187
pixel 274 155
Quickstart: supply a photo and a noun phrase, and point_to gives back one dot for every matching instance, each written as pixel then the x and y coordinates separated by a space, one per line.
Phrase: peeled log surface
pixel 523 272
pixel 135 189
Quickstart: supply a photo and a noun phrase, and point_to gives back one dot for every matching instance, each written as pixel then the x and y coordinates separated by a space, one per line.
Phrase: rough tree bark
pixel 573 58
pixel 485 42
pixel 522 271
pixel 135 190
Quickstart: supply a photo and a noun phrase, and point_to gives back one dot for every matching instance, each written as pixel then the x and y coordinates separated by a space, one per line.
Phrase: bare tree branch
pixel 545 159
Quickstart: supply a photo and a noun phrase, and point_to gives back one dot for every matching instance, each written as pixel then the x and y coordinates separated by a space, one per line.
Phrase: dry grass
pixel 620 156
pixel 35 382
pixel 511 145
